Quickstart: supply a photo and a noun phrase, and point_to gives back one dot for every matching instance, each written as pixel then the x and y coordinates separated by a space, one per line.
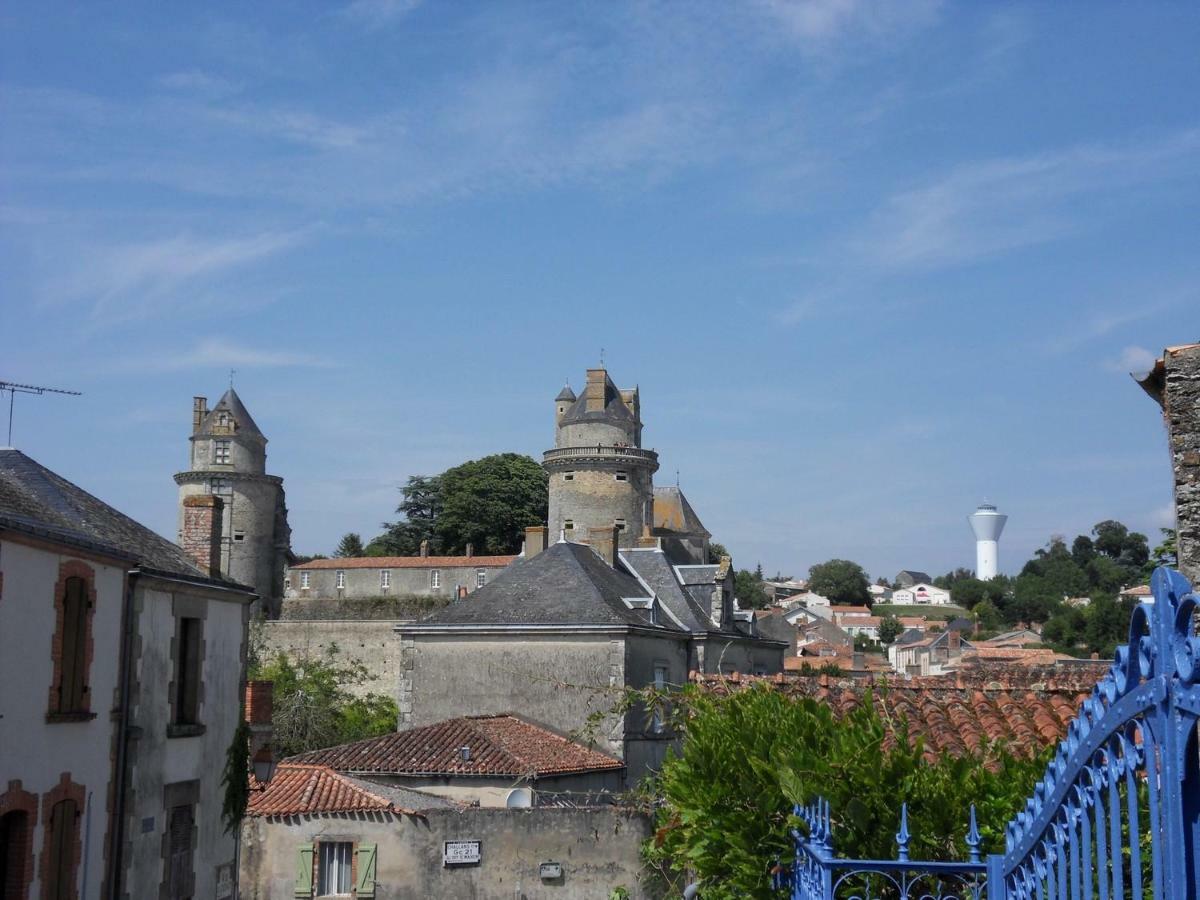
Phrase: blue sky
pixel 870 263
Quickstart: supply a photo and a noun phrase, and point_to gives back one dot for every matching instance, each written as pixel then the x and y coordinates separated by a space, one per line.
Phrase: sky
pixel 869 263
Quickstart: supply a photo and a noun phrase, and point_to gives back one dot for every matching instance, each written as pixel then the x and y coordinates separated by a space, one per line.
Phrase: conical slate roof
pixel 566 394
pixel 231 403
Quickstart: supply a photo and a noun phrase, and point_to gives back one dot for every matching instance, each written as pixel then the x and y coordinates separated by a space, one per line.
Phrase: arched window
pixel 14 855
pixel 61 846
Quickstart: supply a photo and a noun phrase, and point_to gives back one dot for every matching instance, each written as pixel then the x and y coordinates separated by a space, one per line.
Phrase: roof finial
pixel 602 357
pixel 677 478
pixel 232 372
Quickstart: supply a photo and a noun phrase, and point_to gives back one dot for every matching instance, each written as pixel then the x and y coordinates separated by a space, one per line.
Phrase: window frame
pixel 222 453
pixel 339 579
pixel 480 577
pixel 304 581
pixel 657 723
pixel 435 579
pixel 73 622
pixel 348 864
pixel 385 579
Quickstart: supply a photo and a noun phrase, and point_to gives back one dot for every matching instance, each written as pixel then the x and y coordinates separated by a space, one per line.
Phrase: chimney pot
pixel 201 534
pixel 535 540
pixel 425 547
pixel 605 542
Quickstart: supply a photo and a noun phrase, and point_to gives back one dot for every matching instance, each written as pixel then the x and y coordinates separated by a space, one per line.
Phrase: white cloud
pixel 219 353
pixel 1133 359
pixel 378 13
pixel 819 23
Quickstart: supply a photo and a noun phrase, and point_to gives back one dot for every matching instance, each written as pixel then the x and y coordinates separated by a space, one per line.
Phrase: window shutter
pixel 304 871
pixel 365 867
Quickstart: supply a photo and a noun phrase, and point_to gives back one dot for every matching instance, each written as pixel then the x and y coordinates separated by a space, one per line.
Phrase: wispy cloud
pixel 986 208
pixel 820 23
pixel 378 13
pixel 130 280
pixel 198 82
pixel 1133 359
pixel 220 353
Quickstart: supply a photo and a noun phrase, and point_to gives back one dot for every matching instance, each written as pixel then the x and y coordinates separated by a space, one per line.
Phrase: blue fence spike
pixel 973 837
pixel 902 835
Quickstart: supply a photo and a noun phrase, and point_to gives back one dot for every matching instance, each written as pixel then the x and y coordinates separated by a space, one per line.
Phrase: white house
pixel 920 594
pixel 121 684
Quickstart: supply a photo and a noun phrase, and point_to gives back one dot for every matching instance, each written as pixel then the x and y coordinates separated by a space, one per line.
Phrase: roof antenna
pixel 14 389
pixel 232 372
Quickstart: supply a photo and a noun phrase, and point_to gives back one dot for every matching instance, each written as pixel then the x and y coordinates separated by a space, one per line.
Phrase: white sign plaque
pixel 461 853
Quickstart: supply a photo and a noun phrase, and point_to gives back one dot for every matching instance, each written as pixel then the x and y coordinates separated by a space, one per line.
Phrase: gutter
pixel 117 824
pixel 543 629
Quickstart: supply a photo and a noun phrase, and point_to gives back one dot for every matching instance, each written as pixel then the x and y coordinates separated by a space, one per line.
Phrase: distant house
pixel 909 577
pixel 348 578
pixel 1138 592
pixel 933 655
pixel 880 593
pixel 921 593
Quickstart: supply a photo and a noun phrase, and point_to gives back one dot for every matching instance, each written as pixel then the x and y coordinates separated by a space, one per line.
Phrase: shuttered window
pixel 60 867
pixel 304 871
pixel 365 867
pixel 180 876
pixel 74 646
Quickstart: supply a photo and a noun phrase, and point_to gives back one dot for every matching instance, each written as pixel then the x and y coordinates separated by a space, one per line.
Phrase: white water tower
pixel 987 525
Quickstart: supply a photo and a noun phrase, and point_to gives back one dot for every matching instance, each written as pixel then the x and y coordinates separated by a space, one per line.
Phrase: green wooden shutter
pixel 365 867
pixel 304 871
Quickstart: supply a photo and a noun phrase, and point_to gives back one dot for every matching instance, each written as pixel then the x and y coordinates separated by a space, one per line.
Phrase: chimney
pixel 604 542
pixel 425 547
pixel 954 641
pixel 470 550
pixel 535 540
pixel 201 534
pixel 260 702
pixel 199 411
pixel 594 390
pixel 646 539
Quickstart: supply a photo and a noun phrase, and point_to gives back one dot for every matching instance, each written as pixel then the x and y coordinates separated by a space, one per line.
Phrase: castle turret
pixel 600 477
pixel 228 459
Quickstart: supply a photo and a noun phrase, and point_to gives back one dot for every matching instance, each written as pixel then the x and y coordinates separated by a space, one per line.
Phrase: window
pixel 73 654
pixel 385 579
pixel 59 850
pixel 480 577
pixel 622 476
pixel 660 683
pixel 239 535
pixel 15 854
pixel 335 868
pixel 221 452
pixel 341 580
pixel 220 486
pixel 568 525
pixel 187 671
pixel 304 581
pixel 568 476
pixel 619 524
pixel 287 582
pixel 180 876
pixel 435 579
pixel 223 419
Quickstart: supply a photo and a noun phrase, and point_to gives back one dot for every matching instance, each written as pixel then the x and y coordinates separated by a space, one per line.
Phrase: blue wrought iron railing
pixel 1116 815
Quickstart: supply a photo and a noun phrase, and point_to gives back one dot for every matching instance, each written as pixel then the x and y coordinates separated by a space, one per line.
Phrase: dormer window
pixel 221 452
pixel 223 419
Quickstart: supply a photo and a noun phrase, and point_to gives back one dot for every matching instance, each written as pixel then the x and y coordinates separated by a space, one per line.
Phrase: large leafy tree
pixel 485 502
pixel 724 803
pixel 841 580
pixel 748 588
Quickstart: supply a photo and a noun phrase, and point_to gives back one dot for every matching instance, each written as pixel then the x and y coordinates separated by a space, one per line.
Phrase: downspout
pixel 117 825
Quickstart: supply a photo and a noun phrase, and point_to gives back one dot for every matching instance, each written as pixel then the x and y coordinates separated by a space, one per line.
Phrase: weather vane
pixel 232 372
pixel 602 357
pixel 14 389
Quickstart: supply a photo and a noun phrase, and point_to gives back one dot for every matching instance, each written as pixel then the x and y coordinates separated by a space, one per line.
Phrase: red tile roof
pixel 499 745
pixel 1027 708
pixel 408 562
pixel 303 789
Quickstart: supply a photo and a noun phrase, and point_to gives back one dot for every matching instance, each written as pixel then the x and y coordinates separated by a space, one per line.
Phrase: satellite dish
pixel 519 798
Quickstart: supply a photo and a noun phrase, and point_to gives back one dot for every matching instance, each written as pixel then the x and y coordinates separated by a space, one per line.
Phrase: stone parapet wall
pixel 1181 407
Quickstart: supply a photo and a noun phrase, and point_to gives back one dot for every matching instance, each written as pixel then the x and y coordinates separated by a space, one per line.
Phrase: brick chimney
pixel 604 542
pixel 593 391
pixel 259 708
pixel 954 641
pixel 425 547
pixel 199 411
pixel 201 534
pixel 535 540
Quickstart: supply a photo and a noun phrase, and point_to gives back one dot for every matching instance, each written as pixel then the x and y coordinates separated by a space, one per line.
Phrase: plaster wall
pixel 158 760
pixel 374 644
pixel 493 792
pixel 598 848
pixel 37 752
pixel 405 582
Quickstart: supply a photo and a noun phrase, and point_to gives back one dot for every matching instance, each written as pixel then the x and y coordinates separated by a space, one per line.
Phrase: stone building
pixel 121 681
pixel 350 578
pixel 229 460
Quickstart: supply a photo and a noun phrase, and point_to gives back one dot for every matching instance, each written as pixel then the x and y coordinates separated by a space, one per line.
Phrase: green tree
pixel 724 802
pixel 716 551
pixel 967 592
pixel 987 616
pixel 350 545
pixel 890 628
pixel 489 503
pixel 749 590
pixel 420 502
pixel 950 579
pixel 313 707
pixel 841 580
pixel 1165 554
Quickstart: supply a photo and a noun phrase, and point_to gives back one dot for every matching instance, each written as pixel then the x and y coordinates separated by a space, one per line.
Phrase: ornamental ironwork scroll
pixel 1116 814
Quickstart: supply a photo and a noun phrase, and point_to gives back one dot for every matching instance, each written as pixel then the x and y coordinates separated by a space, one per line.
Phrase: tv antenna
pixel 14 389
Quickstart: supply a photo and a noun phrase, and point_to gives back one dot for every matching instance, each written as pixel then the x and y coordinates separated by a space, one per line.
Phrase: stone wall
pixel 414 581
pixel 374 644
pixel 599 849
pixel 594 498
pixel 1181 407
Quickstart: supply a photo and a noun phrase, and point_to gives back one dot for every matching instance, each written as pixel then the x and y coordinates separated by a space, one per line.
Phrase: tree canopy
pixel 748 588
pixel 350 545
pixel 840 580
pixel 487 503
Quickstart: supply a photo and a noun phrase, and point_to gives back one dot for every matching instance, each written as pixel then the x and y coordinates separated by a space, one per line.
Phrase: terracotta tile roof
pixel 836 610
pixel 306 789
pixel 1142 590
pixel 499 745
pixel 408 562
pixel 1028 708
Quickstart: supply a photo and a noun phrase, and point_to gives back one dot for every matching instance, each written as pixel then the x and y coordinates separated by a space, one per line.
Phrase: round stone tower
pixel 600 476
pixel 229 459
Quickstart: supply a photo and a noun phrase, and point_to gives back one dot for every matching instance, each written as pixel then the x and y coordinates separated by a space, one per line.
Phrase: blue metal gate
pixel 1116 815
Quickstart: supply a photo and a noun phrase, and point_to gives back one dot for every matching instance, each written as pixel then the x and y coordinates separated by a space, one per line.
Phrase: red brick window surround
pixel 62 844
pixel 18 819
pixel 71 646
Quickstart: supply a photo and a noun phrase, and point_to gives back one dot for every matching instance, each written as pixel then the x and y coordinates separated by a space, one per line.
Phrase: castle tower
pixel 600 476
pixel 229 459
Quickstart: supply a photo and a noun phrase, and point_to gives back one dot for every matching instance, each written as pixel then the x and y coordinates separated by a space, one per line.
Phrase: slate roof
pixel 298 789
pixel 32 494
pixel 231 403
pixel 500 745
pixel 408 562
pixel 615 409
pixel 697 574
pixel 566 394
pixel 1028 709
pixel 910 577
pixel 672 512
pixel 565 584
pixel 652 565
